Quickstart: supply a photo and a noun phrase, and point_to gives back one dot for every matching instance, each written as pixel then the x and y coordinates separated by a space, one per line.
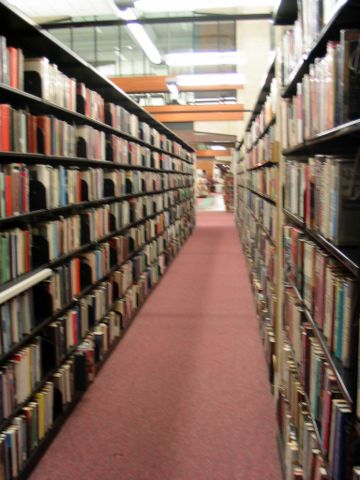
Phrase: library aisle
pixel 185 396
pixel 213 203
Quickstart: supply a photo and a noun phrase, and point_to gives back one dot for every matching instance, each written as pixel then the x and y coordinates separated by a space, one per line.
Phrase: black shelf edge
pixel 264 90
pixel 41 214
pixel 347 256
pixel 49 437
pixel 345 15
pixel 6 422
pixel 263 195
pixel 285 13
pixel 39 158
pixel 73 302
pixel 268 163
pixel 262 134
pixel 345 384
pixel 60 421
pixel 307 399
pixel 24 33
pixel 82 249
pixel 327 140
pixel 261 225
pixel 45 107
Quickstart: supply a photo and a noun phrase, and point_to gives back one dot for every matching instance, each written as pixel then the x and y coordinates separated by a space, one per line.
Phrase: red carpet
pixel 185 396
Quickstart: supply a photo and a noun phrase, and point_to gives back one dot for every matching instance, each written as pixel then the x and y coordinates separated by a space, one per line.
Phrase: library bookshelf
pixel 256 210
pixel 310 321
pixel 318 361
pixel 96 200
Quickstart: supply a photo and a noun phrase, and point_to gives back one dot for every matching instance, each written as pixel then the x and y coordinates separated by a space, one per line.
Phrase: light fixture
pixel 173 89
pixel 190 5
pixel 140 35
pixel 205 58
pixel 209 79
pixel 217 147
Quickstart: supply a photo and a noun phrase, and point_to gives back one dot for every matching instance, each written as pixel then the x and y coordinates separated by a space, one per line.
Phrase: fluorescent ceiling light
pixel 68 8
pixel 183 5
pixel 140 35
pixel 173 88
pixel 207 79
pixel 217 147
pixel 204 58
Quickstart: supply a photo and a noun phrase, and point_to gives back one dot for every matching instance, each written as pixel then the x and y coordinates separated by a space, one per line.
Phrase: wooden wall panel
pixel 157 84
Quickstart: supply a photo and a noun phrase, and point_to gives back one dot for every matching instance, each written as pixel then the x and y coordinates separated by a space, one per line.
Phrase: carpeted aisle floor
pixel 185 396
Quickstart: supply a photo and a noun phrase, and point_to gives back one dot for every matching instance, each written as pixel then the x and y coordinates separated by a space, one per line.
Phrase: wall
pixel 207 165
pixel 254 38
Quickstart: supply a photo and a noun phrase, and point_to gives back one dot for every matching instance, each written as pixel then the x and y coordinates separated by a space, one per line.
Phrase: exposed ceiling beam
pixel 144 21
pixel 213 153
pixel 158 84
pixel 193 113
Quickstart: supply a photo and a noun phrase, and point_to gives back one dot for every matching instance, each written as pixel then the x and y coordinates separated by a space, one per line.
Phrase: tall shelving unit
pixel 90 228
pixel 256 210
pixel 318 361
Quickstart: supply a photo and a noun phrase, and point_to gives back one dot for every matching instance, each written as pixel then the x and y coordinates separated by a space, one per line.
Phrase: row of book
pixel 298 39
pixel 265 150
pixel 24 249
pixel 267 335
pixel 261 252
pixel 23 132
pixel 329 292
pixel 312 411
pixel 229 192
pixel 264 180
pixel 27 188
pixel 264 118
pixel 327 95
pixel 104 309
pixel 324 192
pixel 20 315
pixel 264 212
pixel 261 259
pixel 44 79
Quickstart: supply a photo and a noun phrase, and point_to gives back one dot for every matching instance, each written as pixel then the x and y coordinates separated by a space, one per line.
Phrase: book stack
pixel 95 202
pixel 323 96
pixel 317 378
pixel 229 192
pixel 256 210
pixel 264 181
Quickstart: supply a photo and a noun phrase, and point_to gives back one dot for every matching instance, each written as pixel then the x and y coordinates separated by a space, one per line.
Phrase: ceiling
pixel 114 51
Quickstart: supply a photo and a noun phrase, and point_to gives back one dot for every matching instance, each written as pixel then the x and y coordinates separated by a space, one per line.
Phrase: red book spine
pixel 13 61
pixel 5 127
pixel 79 189
pixel 307 195
pixel 87 103
pixel 43 125
pixel 8 196
pixel 74 326
pixel 77 276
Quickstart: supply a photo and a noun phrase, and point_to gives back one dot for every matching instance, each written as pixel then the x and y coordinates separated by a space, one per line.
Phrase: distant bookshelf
pixel 256 209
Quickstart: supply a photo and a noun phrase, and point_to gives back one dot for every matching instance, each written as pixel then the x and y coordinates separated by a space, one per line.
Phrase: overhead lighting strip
pixel 140 35
pixel 205 58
